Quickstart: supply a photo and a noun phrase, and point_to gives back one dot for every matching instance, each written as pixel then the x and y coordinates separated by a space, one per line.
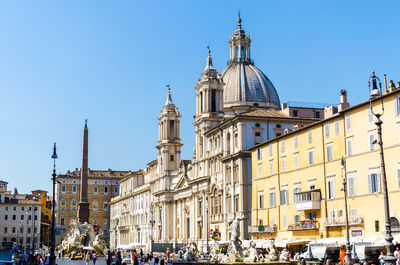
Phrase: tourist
pixel 382 258
pixel 156 260
pixel 87 258
pixel 397 256
pixel 162 262
pixel 168 254
pixel 141 253
pixel 94 257
pixel 25 258
pixel 108 257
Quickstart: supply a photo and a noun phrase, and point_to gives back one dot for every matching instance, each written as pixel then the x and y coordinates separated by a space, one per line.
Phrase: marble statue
pixel 285 255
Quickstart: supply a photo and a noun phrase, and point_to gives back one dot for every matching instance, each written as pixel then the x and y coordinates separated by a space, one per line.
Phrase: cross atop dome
pixel 169 97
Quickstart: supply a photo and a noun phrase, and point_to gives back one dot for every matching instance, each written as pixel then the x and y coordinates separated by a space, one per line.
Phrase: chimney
pixel 392 86
pixel 343 101
pixel 385 81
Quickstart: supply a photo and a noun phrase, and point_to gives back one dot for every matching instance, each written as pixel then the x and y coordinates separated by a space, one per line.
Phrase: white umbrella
pixel 88 248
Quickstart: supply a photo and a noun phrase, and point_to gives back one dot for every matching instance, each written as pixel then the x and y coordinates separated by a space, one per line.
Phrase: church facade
pixel 235 109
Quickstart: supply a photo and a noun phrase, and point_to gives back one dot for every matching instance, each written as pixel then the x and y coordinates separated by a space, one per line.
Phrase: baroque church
pixel 235 109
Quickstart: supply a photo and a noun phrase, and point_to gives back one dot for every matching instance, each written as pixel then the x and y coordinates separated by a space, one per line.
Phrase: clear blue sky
pixel 109 61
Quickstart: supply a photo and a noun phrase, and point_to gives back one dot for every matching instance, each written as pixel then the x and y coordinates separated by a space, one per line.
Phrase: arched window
pixel 228 143
pixel 242 54
pixel 395 224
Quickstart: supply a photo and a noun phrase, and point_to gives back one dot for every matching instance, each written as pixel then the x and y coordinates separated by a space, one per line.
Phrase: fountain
pixel 82 236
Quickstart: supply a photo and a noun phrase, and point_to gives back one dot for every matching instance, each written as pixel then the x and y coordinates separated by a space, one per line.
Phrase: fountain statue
pixel 80 236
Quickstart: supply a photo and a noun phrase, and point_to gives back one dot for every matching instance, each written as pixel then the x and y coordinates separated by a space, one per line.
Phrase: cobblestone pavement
pixel 66 261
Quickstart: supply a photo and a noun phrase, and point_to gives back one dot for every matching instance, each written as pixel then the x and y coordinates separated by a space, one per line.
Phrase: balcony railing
pixel 308 200
pixel 304 225
pixel 342 222
pixel 262 229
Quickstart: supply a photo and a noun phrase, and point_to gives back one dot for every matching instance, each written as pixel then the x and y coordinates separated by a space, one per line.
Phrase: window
pixel 73 204
pixel 349 146
pixel 259 170
pixel 22 217
pixel 105 205
pixel 63 189
pixel 283 164
pixel 270 149
pixel 372 142
pixel 297 219
pixel 29 230
pixel 74 189
pixel 257 138
pixel 30 217
pixel 105 190
pixel 351 184
pixel 284 220
pixel 272 199
pixel 330 188
pixel 353 214
pixel 398 178
pixel 171 158
pixel 311 184
pixel 62 204
pixel 116 190
pixel 311 157
pixel 6 208
pixel 22 208
pixel 317 114
pixel 377 226
pixel 62 220
pixel 329 152
pixel 95 189
pixel 370 115
pixel 348 122
pixel 14 208
pixel 310 136
pixel 283 145
pixel 13 230
pixel 284 196
pixel 296 142
pixel 5 230
pixel 260 200
pixel 6 217
pixel 295 113
pixel 327 130
pixel 14 217
pixel 271 167
pixel 337 129
pixel 36 217
pixel 259 153
pixel 296 161
pixel 374 183
pixel 95 204
pixel 296 189
pixel 397 105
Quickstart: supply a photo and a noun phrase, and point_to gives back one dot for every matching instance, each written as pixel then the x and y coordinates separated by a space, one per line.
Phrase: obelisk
pixel 83 209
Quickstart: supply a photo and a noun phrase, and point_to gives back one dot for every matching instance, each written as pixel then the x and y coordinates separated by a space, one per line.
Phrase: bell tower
pixel 209 104
pixel 169 141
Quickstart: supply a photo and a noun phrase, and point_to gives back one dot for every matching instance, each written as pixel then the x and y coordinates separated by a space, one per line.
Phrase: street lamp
pixel 348 251
pixel 53 215
pixel 373 94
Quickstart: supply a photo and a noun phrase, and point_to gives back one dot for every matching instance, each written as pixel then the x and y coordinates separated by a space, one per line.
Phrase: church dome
pixel 245 84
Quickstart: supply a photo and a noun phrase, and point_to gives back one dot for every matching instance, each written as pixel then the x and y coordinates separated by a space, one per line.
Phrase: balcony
pixel 262 229
pixel 304 225
pixel 342 222
pixel 308 200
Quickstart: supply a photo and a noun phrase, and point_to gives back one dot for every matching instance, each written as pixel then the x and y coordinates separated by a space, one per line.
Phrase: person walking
pixel 94 258
pixel 87 258
pixel 397 256
pixel 382 258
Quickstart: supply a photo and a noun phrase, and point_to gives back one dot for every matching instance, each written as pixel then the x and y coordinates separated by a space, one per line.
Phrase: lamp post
pixel 348 251
pixel 53 214
pixel 373 94
pixel 207 225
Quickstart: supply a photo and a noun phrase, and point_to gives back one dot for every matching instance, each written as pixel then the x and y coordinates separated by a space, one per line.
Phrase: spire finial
pixel 85 123
pixel 169 98
pixel 208 48
pixel 239 21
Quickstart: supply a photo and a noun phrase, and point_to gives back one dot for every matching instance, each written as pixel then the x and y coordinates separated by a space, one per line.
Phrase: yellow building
pixel 298 179
pixel 102 186
pixel 45 220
